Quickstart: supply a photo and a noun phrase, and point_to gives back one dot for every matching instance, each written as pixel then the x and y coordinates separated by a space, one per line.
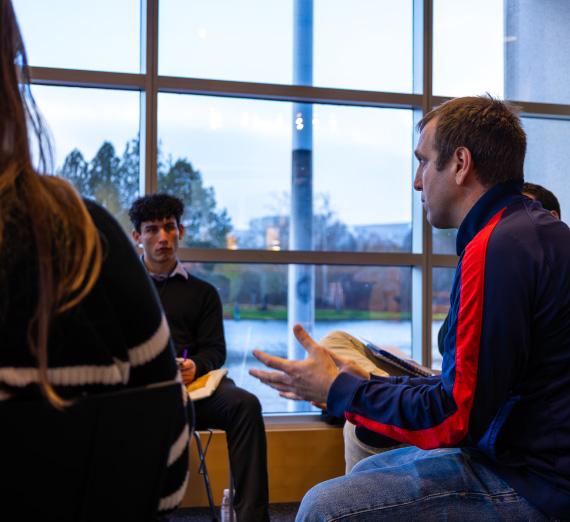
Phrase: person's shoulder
pixel 526 232
pixel 528 219
pixel 100 215
pixel 200 284
pixel 112 234
pixel 95 209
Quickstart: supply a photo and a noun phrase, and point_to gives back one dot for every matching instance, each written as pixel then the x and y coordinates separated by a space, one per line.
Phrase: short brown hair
pixel 489 128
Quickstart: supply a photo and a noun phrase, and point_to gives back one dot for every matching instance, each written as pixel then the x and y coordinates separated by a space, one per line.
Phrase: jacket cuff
pixel 341 393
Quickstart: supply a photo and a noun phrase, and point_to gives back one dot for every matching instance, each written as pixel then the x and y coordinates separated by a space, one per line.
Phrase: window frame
pixel 149 84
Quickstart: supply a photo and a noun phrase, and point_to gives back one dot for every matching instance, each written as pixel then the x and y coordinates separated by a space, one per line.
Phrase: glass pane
pixel 536 51
pixel 468 47
pixel 95 132
pixel 368 302
pixel 367 46
pixel 442 283
pixel 67 34
pixel 238 155
pixel 547 141
pixel 443 240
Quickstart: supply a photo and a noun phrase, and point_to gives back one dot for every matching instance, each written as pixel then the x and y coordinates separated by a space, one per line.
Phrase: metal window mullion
pixel 149 97
pixel 422 274
pixel 212 255
pixel 58 77
pixel 87 79
pixel 290 93
pixel 428 103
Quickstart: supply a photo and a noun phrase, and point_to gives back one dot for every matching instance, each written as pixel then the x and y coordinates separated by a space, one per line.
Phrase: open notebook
pixel 204 386
pixel 395 357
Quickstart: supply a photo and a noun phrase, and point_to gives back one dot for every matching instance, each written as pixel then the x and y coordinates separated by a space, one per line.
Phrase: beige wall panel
pixel 298 458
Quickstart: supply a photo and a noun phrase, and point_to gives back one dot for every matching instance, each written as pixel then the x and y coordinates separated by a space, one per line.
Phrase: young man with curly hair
pixel 194 313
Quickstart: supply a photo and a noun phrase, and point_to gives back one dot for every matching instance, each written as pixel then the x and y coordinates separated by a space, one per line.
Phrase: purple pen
pixel 181 362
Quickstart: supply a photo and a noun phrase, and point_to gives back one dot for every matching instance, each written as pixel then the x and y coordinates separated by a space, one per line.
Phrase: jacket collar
pixel 495 199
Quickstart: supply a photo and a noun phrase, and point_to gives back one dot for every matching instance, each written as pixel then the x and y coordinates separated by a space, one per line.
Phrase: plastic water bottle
pixel 226 507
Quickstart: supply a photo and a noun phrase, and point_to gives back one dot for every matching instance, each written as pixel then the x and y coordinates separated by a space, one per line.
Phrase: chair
pixel 103 458
pixel 202 470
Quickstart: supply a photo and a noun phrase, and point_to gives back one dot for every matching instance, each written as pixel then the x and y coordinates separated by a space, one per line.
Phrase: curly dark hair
pixel 489 128
pixel 155 206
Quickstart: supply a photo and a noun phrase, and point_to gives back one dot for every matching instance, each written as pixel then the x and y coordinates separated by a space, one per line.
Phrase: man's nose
pixel 418 180
pixel 163 235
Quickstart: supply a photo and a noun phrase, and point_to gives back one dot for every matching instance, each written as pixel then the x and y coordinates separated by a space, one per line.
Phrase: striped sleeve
pixel 145 330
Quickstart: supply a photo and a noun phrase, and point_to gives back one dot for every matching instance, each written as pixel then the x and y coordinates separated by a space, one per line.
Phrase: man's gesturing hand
pixel 308 380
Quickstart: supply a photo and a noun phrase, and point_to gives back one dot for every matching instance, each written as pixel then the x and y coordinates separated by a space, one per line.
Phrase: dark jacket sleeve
pixel 484 351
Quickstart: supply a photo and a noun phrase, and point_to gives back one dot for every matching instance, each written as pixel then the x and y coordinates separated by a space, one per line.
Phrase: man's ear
pixel 181 231
pixel 463 165
pixel 555 214
pixel 136 237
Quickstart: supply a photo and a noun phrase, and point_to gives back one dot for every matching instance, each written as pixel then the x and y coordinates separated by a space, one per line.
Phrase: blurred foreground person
pixel 78 314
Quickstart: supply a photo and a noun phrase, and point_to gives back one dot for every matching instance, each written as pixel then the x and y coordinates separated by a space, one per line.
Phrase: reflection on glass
pixel 365 47
pixel 238 154
pixel 546 144
pixel 479 45
pixel 95 132
pixel 368 302
pixel 95 36
pixel 442 283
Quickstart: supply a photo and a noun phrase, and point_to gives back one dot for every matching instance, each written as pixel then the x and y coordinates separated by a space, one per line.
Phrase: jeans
pixel 356 450
pixel 417 485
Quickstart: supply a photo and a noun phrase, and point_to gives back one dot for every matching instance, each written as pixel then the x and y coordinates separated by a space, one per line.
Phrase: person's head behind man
pixel 467 145
pixel 547 199
pixel 157 227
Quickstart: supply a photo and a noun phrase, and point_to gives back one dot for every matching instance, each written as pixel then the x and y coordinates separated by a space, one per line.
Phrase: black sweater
pixel 116 338
pixel 194 312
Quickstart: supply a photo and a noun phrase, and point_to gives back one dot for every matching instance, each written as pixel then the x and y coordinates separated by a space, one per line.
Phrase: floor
pixel 278 512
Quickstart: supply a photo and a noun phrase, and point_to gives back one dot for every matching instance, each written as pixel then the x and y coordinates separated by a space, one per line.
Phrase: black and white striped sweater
pixel 116 338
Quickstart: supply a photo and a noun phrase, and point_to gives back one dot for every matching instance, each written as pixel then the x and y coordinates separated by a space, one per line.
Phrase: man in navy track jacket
pixel 491 434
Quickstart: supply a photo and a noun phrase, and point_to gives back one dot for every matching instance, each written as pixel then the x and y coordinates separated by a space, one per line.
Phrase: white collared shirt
pixel 178 269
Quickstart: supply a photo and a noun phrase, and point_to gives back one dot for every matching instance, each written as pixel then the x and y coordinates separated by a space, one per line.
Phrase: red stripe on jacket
pixel 468 337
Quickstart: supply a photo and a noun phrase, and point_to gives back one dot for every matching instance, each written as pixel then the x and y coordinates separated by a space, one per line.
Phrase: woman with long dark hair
pixel 78 314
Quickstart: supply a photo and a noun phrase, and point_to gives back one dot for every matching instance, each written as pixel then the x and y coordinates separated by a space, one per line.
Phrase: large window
pixel 288 128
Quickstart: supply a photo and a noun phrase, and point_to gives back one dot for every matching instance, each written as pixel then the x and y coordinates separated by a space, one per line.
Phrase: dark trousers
pixel 238 413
